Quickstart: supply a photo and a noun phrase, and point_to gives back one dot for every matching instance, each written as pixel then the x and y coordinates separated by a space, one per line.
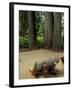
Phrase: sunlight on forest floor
pixel 28 59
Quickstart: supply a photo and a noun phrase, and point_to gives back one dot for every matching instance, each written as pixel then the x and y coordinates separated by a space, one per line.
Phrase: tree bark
pixel 32 30
pixel 23 22
pixel 48 29
pixel 57 32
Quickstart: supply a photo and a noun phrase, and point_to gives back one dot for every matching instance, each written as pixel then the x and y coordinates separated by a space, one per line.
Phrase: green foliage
pixel 23 42
pixel 39 20
pixel 39 28
pixel 40 41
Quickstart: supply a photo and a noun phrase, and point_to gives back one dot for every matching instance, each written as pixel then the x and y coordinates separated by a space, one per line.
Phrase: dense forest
pixel 38 29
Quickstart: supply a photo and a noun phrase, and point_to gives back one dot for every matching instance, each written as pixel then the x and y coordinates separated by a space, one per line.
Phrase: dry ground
pixel 28 59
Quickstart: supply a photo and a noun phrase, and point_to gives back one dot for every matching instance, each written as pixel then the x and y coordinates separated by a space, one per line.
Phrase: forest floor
pixel 27 60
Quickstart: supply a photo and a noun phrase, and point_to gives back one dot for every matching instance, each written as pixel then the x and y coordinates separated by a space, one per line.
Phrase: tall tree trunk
pixel 32 30
pixel 57 32
pixel 48 29
pixel 23 22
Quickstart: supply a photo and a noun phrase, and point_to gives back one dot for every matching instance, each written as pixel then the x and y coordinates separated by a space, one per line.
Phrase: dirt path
pixel 28 59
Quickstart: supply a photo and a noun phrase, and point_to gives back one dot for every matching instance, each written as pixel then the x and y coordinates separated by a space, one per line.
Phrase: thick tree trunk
pixel 57 32
pixel 23 22
pixel 32 30
pixel 48 29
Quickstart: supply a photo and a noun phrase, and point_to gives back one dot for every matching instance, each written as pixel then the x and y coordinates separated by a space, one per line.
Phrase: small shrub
pixel 23 42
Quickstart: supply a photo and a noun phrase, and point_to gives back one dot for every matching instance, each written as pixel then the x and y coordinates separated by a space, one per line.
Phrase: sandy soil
pixel 28 59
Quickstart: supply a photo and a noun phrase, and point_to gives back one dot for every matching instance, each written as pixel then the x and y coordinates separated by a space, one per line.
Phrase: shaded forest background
pixel 39 29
